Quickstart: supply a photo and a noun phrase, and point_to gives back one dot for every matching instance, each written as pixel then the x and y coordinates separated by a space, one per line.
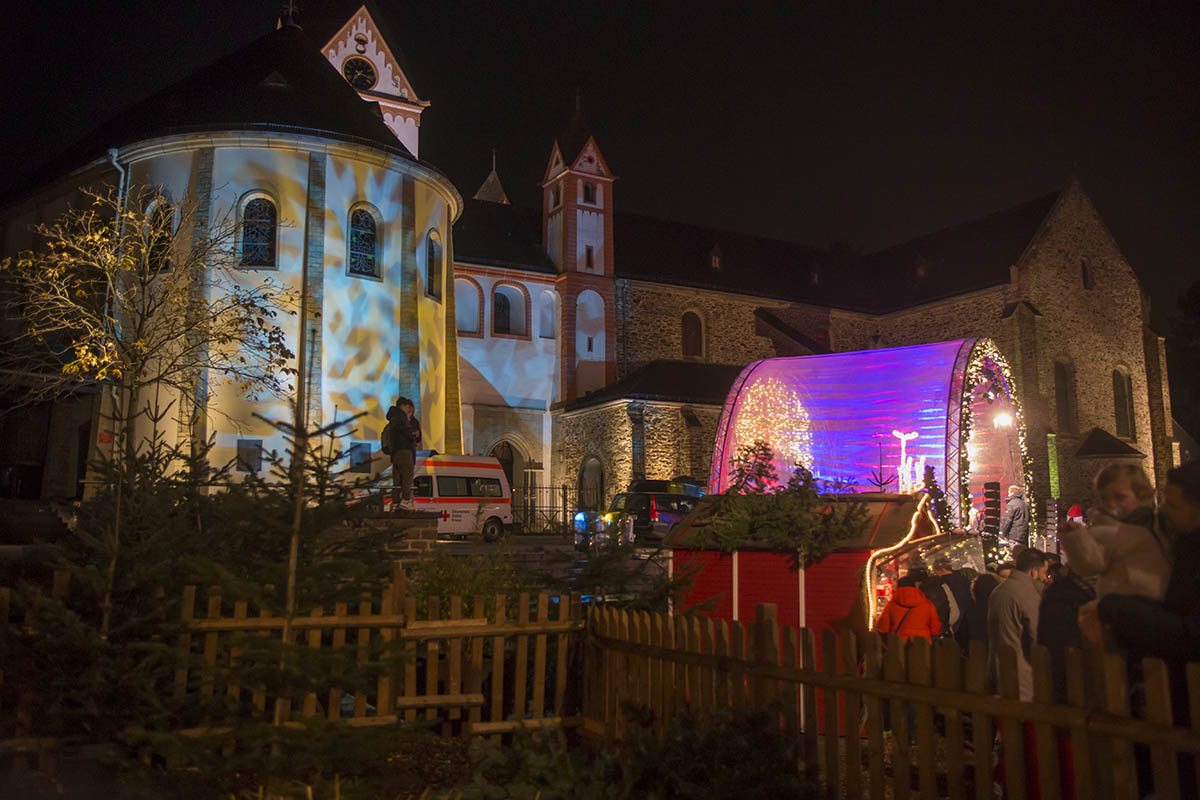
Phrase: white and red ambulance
pixel 471 494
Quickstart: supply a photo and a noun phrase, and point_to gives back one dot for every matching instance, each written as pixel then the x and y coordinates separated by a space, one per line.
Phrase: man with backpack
pixel 400 439
pixel 950 593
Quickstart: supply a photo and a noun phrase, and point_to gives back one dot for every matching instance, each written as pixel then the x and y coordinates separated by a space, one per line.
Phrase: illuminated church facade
pixel 586 347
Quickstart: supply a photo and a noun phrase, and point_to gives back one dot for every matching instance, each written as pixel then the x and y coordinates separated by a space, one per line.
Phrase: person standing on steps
pixel 404 434
pixel 1015 524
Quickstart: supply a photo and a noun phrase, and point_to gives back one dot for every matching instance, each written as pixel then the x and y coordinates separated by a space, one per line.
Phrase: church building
pixel 584 346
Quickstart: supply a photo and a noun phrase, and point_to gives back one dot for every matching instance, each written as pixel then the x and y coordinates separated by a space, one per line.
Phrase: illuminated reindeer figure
pixel 907 474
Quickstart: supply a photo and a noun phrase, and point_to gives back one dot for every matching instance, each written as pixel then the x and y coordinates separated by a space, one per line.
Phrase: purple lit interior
pixel 837 414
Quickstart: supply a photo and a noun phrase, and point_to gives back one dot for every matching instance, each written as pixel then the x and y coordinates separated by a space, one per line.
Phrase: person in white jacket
pixel 1120 546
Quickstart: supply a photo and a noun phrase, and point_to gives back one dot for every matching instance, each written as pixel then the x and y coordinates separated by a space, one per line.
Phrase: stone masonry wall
pixel 604 432
pixel 649 319
pixel 1094 330
pixel 676 445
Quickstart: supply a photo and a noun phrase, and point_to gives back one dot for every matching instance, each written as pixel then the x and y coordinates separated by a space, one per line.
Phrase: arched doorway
pixel 591 484
pixel 513 461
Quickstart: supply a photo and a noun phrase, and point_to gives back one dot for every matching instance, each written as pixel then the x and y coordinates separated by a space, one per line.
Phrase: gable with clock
pixel 370 65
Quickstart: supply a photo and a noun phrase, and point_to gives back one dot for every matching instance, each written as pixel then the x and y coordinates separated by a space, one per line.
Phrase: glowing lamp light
pixel 1002 420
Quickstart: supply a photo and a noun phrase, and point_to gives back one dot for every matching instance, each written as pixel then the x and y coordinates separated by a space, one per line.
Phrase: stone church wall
pixel 649 318
pixel 602 431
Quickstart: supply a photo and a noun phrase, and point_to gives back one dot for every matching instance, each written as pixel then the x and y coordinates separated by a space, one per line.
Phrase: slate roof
pixel 502 235
pixel 279 82
pixel 647 248
pixel 669 381
pixel 972 255
pixel 1099 443
pixel 491 190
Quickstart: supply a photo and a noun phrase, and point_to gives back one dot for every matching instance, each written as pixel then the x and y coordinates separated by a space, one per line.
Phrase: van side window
pixel 485 487
pixel 423 486
pixel 452 486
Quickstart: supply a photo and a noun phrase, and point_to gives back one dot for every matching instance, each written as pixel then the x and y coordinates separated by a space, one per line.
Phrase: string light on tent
pixel 1002 420
pixel 772 412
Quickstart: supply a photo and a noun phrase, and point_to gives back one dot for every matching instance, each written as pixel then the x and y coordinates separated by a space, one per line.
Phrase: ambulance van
pixel 470 493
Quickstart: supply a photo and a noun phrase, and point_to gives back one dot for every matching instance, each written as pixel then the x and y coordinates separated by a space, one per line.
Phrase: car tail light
pixel 653 510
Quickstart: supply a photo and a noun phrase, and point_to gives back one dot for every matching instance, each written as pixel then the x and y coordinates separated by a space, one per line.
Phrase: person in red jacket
pixel 908 614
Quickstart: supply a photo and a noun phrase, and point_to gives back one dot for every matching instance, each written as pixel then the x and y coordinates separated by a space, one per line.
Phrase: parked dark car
pixel 638 516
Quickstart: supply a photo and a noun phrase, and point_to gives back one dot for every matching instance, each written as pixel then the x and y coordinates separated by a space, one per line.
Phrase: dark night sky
pixel 844 121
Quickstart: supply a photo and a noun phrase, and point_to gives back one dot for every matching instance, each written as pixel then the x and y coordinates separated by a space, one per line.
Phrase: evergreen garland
pixel 794 517
pixel 937 501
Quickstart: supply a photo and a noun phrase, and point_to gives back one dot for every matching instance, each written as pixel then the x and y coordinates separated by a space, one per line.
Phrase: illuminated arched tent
pixel 871 420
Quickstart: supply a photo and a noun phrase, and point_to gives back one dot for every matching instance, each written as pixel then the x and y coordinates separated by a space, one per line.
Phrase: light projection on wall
pixel 910 407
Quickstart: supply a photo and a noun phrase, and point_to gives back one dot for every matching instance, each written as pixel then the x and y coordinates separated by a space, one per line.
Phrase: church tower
pixel 377 71
pixel 577 228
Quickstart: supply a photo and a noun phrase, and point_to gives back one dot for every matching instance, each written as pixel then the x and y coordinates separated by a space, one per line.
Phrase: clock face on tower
pixel 359 72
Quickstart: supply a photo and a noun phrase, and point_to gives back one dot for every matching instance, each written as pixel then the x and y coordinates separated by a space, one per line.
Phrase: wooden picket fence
pixel 465 672
pixel 644 661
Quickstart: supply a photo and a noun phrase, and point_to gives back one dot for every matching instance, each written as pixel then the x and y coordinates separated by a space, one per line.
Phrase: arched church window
pixel 547 327
pixel 1123 405
pixel 364 243
pixel 589 193
pixel 468 310
pixel 510 310
pixel 260 225
pixel 501 314
pixel 693 335
pixel 433 265
pixel 1064 397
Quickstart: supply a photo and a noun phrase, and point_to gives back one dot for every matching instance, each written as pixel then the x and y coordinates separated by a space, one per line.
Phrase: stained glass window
pixel 433 266
pixel 259 225
pixel 363 243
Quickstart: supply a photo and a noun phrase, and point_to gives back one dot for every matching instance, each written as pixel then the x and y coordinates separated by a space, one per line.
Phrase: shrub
pixel 739 754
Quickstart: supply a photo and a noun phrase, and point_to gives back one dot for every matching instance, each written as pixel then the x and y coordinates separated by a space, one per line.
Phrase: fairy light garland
pixel 987 366
pixel 921 510
pixel 771 412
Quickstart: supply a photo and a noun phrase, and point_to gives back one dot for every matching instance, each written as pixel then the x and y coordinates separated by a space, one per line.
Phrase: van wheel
pixel 493 529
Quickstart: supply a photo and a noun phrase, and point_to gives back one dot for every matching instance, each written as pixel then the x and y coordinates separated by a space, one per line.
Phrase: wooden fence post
pixel 1077 695
pixel 977 679
pixel 475 676
pixel 893 670
pixel 497 712
pixel 334 711
pixel 1158 709
pixel 853 726
pixel 562 652
pixel 186 611
pixel 1116 702
pixel 808 705
pixel 433 665
pixel 829 665
pixel 919 675
pixel 873 669
pixel 1012 735
pixel 948 675
pixel 766 650
pixel 1049 782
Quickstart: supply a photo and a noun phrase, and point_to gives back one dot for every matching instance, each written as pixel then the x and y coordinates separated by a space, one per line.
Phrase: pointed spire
pixel 491 191
pixel 290 14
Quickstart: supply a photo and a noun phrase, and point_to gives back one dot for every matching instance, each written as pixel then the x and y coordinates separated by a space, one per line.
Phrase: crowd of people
pixel 1128 572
